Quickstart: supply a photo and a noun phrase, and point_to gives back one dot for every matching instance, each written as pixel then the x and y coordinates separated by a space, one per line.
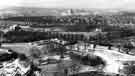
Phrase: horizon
pixel 72 4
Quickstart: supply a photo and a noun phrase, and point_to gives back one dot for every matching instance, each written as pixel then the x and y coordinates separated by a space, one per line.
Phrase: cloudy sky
pixel 99 4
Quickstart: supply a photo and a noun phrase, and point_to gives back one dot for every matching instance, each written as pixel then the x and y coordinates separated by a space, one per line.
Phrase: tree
pixel 129 46
pixel 35 52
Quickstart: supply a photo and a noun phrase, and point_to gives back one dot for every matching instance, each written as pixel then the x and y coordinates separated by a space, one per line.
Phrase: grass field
pixel 18 47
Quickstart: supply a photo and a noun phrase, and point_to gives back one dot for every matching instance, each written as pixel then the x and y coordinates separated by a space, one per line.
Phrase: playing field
pixel 18 47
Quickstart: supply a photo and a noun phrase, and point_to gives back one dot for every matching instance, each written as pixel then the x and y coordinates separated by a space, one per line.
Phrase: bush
pixel 35 52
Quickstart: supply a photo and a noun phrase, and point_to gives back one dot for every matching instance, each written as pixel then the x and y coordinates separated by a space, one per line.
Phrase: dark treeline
pixel 102 38
pixel 28 36
pixel 24 36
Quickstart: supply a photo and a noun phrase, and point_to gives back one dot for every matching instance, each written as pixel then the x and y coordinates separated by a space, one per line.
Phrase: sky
pixel 99 4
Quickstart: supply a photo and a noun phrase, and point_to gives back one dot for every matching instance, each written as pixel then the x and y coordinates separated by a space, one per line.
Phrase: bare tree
pixel 35 52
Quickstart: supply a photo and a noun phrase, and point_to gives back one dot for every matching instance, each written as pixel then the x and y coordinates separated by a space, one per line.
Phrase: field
pixel 18 47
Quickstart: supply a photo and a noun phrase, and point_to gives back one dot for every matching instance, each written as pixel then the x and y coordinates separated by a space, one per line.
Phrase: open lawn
pixel 18 47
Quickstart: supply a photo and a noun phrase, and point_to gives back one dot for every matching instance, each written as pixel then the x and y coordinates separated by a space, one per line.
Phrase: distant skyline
pixel 98 4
